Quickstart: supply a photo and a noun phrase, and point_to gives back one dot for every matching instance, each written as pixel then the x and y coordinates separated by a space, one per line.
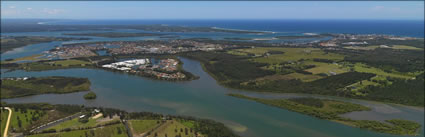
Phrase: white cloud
pixel 52 11
pixel 29 8
pixel 378 8
pixel 12 7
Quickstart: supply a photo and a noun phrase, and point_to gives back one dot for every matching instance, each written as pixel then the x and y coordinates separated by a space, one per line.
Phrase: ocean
pixel 410 28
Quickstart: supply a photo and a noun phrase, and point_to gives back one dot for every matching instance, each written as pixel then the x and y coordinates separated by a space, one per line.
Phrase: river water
pixel 206 99
pixel 202 98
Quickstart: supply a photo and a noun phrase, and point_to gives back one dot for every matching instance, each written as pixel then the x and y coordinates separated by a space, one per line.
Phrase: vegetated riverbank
pixel 331 109
pixel 27 86
pixel 315 71
pixel 100 122
pixel 11 42
pixel 89 96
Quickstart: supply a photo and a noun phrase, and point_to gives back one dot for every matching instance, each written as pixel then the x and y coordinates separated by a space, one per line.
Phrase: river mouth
pixel 204 98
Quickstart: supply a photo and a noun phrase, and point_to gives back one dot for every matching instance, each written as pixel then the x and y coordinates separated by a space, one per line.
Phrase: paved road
pixel 8 121
pixel 54 123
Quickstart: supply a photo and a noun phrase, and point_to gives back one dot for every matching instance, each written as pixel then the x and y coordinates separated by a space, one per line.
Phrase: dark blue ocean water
pixel 412 28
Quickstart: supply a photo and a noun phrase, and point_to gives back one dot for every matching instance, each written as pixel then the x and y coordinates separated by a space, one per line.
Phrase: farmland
pixel 315 70
pixel 399 47
pixel 105 122
pixel 289 54
pixel 3 115
pixel 117 130
pixel 140 127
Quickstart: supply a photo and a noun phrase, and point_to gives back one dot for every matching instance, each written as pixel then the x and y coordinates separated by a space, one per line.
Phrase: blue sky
pixel 213 10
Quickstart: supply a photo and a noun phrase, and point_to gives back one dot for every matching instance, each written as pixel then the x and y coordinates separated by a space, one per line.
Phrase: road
pixel 54 123
pixel 8 121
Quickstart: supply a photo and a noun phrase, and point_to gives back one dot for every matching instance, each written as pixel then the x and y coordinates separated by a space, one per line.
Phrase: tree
pixel 119 130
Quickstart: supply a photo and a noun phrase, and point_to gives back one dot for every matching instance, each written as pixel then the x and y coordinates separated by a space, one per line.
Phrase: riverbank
pixel 26 86
pixel 330 110
pixel 75 120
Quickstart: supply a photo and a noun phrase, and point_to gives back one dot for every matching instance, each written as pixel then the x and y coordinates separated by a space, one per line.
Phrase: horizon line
pixel 208 19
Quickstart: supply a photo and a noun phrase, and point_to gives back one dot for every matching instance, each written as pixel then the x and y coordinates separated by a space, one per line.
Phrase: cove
pixel 204 98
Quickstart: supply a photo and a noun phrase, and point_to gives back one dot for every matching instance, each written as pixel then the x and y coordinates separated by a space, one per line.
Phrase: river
pixel 204 98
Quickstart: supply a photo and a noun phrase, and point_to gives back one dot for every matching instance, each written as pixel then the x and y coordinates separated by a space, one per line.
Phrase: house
pixel 82 116
pixel 96 111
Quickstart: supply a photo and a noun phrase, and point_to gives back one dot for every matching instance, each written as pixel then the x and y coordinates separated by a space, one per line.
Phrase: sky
pixel 397 10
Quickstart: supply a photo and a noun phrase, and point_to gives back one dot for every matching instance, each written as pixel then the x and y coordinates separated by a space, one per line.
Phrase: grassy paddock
pixel 289 54
pixel 117 130
pixel 139 127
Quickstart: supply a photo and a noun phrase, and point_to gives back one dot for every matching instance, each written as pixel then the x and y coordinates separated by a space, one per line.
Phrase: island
pixel 114 34
pixel 290 37
pixel 331 110
pixel 11 42
pixel 46 120
pixel 89 96
pixel 25 86
pixel 9 27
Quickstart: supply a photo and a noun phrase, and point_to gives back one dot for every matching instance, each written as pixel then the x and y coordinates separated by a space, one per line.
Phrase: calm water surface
pixel 204 98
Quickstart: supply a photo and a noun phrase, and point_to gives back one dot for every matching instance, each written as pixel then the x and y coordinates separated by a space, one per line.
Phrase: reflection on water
pixel 206 99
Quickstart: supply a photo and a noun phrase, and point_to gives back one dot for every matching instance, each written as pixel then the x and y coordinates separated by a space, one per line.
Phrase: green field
pixel 21 119
pixel 290 54
pixel 71 62
pixel 75 124
pixel 403 47
pixel 172 128
pixel 362 48
pixel 359 67
pixel 117 130
pixel 142 126
pixel 356 87
pixel 302 77
pixel 3 120
pixel 25 118
pixel 327 68
pixel 35 57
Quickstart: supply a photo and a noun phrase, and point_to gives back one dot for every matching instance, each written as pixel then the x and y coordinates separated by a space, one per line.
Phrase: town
pixel 165 69
pixel 133 47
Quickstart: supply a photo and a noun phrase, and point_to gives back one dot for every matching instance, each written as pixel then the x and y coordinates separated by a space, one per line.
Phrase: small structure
pixel 332 73
pixel 82 116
